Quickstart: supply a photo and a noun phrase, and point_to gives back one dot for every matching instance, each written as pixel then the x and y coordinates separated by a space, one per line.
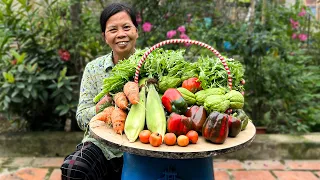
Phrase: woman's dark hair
pixel 113 9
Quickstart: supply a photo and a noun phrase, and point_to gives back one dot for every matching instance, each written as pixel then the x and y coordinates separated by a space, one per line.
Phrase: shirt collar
pixel 108 65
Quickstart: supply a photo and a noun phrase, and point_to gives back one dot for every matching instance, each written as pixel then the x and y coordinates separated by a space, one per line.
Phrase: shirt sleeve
pixel 86 107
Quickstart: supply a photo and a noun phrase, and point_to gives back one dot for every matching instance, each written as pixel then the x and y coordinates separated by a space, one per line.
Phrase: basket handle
pixel 179 41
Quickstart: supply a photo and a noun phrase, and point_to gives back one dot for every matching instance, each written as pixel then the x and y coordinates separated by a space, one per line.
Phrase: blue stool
pixel 148 168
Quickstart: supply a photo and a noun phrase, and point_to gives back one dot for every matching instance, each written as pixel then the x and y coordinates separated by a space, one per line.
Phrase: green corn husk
pixel 155 115
pixel 135 120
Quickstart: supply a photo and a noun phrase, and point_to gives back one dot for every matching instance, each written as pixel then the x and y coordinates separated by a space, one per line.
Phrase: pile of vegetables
pixel 174 96
pixel 171 69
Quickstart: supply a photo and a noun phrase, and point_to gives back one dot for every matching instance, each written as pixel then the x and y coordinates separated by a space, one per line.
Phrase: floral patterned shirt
pixel 91 85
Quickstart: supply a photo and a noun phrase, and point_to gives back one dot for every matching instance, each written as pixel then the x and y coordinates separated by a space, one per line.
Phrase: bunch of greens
pixel 120 74
pixel 212 73
pixel 171 69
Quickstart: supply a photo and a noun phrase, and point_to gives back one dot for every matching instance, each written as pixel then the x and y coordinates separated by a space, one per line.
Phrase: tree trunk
pixel 252 16
pixel 264 9
pixel 75 11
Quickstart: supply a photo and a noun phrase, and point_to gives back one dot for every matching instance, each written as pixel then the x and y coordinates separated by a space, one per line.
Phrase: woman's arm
pixel 86 107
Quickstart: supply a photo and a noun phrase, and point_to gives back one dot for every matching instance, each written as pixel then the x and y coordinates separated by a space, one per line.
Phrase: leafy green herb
pixel 213 74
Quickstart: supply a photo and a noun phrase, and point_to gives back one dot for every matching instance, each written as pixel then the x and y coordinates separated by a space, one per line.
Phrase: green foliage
pixel 43 53
pixel 291 93
pixel 286 99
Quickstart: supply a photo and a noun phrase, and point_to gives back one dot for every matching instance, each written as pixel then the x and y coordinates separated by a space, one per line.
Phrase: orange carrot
pixel 107 112
pixel 131 89
pixel 100 116
pixel 120 100
pixel 118 118
pixel 105 115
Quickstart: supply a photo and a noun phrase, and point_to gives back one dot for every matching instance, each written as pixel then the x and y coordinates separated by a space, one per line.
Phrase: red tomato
pixel 144 136
pixel 170 139
pixel 155 139
pixel 192 84
pixel 193 136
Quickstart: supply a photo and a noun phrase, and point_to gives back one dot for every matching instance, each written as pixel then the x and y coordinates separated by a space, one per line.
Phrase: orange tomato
pixel 193 136
pixel 170 139
pixel 155 139
pixel 144 136
pixel 183 140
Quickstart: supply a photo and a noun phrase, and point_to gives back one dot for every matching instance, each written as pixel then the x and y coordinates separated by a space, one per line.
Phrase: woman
pixel 93 160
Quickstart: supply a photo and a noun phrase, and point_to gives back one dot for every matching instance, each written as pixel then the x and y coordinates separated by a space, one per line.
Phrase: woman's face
pixel 121 35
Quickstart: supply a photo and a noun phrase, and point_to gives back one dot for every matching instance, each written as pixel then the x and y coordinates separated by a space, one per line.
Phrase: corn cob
pixel 136 118
pixel 155 115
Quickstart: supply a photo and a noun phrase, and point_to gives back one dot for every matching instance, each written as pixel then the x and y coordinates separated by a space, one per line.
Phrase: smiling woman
pixel 93 160
pixel 120 33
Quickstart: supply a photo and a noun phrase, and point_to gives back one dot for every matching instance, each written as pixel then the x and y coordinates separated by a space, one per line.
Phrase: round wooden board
pixel 202 149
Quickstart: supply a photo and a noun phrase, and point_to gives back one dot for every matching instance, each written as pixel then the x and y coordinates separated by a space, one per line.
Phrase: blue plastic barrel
pixel 148 168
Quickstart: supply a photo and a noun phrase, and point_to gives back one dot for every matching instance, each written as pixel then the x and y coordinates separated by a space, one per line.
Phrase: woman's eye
pixel 112 30
pixel 126 27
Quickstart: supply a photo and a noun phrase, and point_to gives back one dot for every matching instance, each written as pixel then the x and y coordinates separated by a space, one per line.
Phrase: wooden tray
pixel 100 131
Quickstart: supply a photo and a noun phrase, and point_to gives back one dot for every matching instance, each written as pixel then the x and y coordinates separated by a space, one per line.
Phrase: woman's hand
pixel 106 99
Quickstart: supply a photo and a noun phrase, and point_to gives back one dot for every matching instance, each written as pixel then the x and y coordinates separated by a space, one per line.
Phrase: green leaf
pixel 4 41
pixel 34 94
pixel 23 3
pixel 42 77
pixel 67 95
pixel 28 8
pixel 8 76
pixel 69 88
pixel 60 84
pixel 15 54
pixel 55 93
pixel 5 85
pixel 20 85
pixel 21 58
pixel 1 15
pixel 29 88
pixel 20 68
pixel 15 92
pixel 61 107
pixel 7 99
pixel 62 74
pixel 64 111
pixel 34 67
pixel 26 93
pixel 17 100
pixel 52 86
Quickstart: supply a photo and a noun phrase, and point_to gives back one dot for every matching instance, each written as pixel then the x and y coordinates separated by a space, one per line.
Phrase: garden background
pixel 45 45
